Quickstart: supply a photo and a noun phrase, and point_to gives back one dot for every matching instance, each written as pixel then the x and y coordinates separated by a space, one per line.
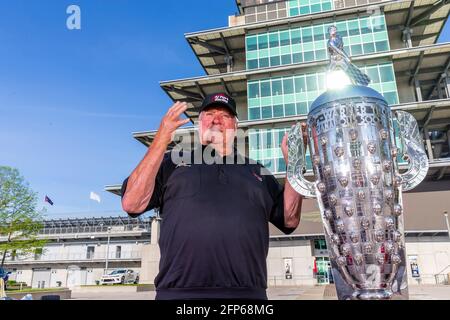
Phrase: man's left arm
pixel 292 199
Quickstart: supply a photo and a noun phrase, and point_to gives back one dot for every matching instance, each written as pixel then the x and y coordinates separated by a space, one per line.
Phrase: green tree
pixel 20 222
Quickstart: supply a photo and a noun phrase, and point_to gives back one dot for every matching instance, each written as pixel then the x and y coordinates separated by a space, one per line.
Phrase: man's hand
pixel 171 122
pixel 284 147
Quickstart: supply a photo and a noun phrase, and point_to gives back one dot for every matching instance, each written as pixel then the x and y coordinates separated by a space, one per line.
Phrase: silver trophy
pixel 359 187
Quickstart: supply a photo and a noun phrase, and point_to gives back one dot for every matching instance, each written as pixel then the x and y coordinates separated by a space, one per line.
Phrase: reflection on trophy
pixel 358 185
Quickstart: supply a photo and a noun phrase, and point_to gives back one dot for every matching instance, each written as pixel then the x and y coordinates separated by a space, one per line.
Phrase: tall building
pixel 272 58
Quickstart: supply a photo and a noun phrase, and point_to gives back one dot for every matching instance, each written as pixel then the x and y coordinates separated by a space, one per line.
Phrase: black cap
pixel 219 99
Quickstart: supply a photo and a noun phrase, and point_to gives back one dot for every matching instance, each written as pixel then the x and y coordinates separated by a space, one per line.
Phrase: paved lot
pixel 423 292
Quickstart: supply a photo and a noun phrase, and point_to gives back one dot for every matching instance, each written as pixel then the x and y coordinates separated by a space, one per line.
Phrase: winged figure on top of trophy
pixel 356 143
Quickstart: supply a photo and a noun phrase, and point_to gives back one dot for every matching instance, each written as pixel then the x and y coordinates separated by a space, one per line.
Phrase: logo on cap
pixel 220 98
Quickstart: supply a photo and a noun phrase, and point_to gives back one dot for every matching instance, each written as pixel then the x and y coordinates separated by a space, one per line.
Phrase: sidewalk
pixel 326 292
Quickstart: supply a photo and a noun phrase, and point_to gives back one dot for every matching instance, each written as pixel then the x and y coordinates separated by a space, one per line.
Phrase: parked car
pixel 120 276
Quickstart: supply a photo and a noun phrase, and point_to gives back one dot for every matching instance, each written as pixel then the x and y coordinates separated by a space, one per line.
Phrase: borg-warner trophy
pixel 358 186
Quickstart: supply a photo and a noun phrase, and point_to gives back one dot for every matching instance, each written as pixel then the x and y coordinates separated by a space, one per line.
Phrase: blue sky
pixel 70 99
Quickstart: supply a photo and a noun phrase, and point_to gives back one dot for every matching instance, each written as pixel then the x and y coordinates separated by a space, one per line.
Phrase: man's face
pixel 217 125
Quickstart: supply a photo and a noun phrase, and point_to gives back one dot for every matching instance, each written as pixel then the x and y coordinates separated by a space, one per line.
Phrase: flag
pixel 315 267
pixel 47 199
pixel 95 197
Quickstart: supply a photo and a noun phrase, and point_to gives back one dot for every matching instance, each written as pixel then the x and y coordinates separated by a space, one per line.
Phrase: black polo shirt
pixel 214 235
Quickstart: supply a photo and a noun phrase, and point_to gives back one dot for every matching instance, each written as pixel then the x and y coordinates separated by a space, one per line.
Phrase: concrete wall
pixel 302 263
pixel 149 263
pixel 433 256
pixel 406 93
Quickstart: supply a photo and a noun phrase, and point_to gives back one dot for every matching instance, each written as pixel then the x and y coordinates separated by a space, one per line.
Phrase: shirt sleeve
pixel 276 191
pixel 156 199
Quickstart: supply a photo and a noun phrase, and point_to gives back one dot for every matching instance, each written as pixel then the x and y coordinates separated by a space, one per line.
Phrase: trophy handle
pixel 297 163
pixel 411 138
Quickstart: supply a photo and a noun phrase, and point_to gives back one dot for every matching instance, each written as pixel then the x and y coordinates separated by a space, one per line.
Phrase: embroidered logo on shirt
pixel 182 164
pixel 257 177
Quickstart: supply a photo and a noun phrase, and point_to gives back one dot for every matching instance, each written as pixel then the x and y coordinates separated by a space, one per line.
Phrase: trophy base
pixel 374 294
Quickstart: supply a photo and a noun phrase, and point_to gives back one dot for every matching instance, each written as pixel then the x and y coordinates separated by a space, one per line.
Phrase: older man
pixel 214 233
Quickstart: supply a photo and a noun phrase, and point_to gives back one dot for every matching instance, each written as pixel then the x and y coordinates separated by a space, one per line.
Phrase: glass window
pixel 311 83
pixel 288 86
pixel 252 64
pixel 254 114
pixel 273 40
pixel 276 88
pixel 275 61
pixel 321 81
pixel 365 28
pixel 326 6
pixel 309 56
pixel 262 41
pixel 269 140
pixel 289 109
pixel 353 28
pixel 266 112
pixel 356 49
pixel 369 47
pixel 321 55
pixel 382 46
pixel 386 74
pixel 265 89
pixel 297 58
pixel 281 165
pixel 296 36
pixel 253 140
pixel 264 62
pixel 253 90
pixel 278 111
pixel 307 34
pixel 286 59
pixel 279 135
pixel 316 8
pixel 391 97
pixel 251 43
pixel 302 108
pixel 300 85
pixel 285 38
pixel 342 29
pixel 305 10
pixel 373 74
pixel 318 33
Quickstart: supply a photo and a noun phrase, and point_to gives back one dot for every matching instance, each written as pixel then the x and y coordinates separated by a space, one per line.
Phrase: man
pixel 214 233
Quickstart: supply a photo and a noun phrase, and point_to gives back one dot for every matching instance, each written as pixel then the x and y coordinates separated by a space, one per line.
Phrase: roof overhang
pixel 426 18
pixel 433 61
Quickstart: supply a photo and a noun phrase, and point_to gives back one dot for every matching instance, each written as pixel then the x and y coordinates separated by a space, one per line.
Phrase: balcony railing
pixel 127 255
pixel 92 229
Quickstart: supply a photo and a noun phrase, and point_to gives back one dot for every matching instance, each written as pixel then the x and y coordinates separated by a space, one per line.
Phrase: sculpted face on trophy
pixel 357 181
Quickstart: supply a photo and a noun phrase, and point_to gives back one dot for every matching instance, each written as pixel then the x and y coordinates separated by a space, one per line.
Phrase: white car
pixel 120 276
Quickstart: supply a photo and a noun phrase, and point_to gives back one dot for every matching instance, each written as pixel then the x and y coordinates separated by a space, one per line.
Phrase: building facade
pixel 79 251
pixel 272 59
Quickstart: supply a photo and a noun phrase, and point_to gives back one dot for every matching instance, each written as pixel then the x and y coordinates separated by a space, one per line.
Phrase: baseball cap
pixel 219 99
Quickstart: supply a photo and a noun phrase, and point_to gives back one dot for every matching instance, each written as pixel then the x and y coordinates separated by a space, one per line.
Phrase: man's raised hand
pixel 171 122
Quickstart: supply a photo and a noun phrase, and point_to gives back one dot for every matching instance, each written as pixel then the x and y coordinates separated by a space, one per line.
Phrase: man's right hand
pixel 171 122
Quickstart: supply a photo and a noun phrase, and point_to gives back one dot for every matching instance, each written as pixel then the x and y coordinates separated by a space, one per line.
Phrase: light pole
pixel 446 221
pixel 107 249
